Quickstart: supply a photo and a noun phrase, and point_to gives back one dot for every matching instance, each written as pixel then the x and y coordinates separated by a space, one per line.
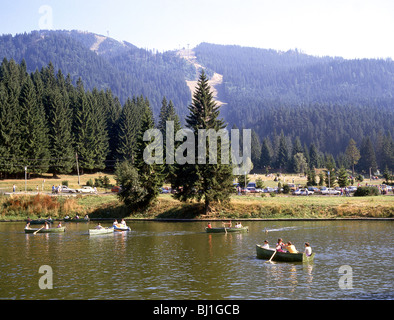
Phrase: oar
pixel 37 230
pixel 272 257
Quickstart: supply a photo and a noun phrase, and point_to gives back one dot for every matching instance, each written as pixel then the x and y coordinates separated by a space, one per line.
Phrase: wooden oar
pixel 272 257
pixel 37 230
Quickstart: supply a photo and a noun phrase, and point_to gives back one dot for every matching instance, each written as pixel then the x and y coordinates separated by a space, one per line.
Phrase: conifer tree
pixel 151 176
pixel 33 130
pixel 60 135
pixel 209 182
pixel 352 154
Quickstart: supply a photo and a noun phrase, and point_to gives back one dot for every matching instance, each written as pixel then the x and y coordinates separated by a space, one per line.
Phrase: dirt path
pixel 96 45
pixel 214 82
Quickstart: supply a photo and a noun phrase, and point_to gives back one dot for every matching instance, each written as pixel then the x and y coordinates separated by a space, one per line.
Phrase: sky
pixel 345 28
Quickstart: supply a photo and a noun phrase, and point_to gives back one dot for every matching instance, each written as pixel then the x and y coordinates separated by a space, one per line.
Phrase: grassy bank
pixel 240 207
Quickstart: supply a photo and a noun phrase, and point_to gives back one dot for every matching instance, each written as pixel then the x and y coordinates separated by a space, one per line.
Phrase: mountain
pixel 325 100
pixel 103 62
pixel 320 100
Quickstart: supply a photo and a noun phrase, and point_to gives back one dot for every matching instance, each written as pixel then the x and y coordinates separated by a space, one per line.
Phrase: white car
pixel 306 192
pixel 86 189
pixel 66 189
pixel 330 191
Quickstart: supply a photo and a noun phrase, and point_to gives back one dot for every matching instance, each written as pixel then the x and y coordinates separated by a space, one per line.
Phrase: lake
pixel 178 260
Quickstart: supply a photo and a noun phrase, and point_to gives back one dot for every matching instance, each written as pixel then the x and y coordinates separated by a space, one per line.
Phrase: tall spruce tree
pixel 151 175
pixel 353 154
pixel 33 130
pixel 60 134
pixel 209 182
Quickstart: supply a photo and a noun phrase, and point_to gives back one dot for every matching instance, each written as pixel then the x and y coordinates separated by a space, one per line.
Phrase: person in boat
pixel 67 217
pixel 227 224
pixel 238 225
pixel 59 225
pixel 280 245
pixel 27 225
pixel 266 245
pixel 46 225
pixel 99 226
pixel 209 225
pixel 115 223
pixel 86 217
pixel 308 249
pixel 76 216
pixel 123 223
pixel 290 247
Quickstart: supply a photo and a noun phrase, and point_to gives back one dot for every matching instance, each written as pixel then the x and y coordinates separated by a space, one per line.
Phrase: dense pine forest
pixel 64 99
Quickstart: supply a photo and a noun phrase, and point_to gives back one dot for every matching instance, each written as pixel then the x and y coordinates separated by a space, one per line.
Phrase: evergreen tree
pixel 266 155
pixel 255 149
pixel 211 182
pixel 342 178
pixel 367 160
pixel 33 130
pixel 314 156
pixel 129 127
pixel 283 153
pixel 352 154
pixel 151 176
pixel 60 135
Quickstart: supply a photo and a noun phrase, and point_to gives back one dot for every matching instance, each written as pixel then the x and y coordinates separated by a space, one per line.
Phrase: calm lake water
pixel 166 260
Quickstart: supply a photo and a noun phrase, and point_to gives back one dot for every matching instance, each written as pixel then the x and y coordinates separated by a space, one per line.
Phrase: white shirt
pixel 308 251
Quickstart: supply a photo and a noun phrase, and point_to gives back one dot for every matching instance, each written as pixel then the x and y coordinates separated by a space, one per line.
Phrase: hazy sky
pixel 347 28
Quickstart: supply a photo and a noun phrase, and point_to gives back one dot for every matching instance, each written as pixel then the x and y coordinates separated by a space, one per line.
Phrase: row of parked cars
pixel 66 189
pixel 251 188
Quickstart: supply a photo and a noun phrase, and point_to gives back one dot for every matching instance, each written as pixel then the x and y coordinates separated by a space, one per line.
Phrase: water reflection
pixel 181 261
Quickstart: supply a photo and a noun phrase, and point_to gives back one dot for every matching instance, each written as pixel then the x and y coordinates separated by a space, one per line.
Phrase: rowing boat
pixel 101 231
pixel 263 253
pixel 75 220
pixel 43 230
pixel 119 227
pixel 40 221
pixel 224 230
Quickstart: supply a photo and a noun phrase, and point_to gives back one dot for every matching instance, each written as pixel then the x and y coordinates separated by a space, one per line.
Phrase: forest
pixel 61 101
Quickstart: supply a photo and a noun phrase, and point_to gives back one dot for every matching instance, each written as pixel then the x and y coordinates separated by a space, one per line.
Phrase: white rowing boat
pixel 101 231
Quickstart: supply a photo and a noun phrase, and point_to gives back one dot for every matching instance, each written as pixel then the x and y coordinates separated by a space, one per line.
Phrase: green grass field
pixel 107 205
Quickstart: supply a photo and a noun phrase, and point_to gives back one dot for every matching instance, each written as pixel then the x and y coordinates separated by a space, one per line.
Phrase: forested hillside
pixel 121 67
pixel 294 103
pixel 325 101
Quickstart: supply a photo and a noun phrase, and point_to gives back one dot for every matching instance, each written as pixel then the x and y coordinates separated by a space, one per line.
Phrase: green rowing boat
pixel 224 230
pixel 43 230
pixel 75 220
pixel 266 254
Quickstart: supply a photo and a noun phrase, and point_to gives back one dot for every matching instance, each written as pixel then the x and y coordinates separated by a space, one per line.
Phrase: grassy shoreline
pixel 107 206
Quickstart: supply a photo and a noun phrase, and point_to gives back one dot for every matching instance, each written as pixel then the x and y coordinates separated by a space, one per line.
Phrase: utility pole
pixel 25 179
pixel 76 157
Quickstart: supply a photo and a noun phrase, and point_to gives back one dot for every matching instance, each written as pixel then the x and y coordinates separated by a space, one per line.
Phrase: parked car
pixel 314 189
pixel 269 190
pixel 251 185
pixel 116 189
pixel 297 192
pixel 66 189
pixel 86 189
pixel 330 191
pixel 252 189
pixel 306 192
pixel 352 188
